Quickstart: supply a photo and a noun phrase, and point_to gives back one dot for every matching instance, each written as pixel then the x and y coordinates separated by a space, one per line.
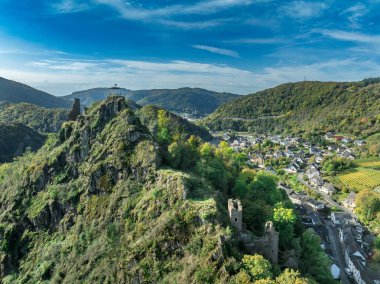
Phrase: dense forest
pixel 351 108
pixel 43 120
pixel 16 138
pixel 121 196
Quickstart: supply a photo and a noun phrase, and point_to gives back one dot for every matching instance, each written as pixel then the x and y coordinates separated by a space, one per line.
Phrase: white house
pixel 327 188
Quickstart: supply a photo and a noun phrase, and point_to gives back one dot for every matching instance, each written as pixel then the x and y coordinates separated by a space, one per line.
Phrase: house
pixel 332 147
pixel 339 218
pixel 338 138
pixel 313 150
pixel 296 198
pixel 226 137
pixel 278 154
pixel 293 168
pixel 287 189
pixel 347 155
pixel 316 181
pixel 316 220
pixel 270 169
pixel 311 173
pixel 346 140
pixel 355 257
pixel 327 188
pixel 329 135
pixel 257 159
pixel 288 153
pixel 349 202
pixel 315 205
pixel 359 142
pixel 318 159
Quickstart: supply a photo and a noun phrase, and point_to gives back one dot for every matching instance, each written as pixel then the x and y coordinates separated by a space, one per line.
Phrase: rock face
pixel 95 206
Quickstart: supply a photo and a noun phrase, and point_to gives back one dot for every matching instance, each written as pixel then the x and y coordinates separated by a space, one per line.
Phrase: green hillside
pixel 351 108
pixel 188 100
pixel 14 92
pixel 15 138
pixel 41 119
pixel 120 196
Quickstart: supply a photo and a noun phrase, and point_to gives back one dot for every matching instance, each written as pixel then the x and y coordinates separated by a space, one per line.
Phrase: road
pixel 337 250
pixel 325 196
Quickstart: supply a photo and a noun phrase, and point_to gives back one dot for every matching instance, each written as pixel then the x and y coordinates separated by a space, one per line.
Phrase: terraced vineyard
pixel 370 163
pixel 361 179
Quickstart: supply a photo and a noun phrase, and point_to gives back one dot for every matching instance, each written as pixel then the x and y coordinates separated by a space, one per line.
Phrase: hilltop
pixel 184 100
pixel 350 107
pixel 14 92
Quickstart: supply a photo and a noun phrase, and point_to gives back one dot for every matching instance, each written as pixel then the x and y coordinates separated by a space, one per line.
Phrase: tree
pixel 257 267
pixel 284 220
pixel 367 205
pixel 289 276
pixel 313 259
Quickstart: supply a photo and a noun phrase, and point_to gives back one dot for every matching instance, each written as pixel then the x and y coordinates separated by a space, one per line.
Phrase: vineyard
pixel 361 179
pixel 369 163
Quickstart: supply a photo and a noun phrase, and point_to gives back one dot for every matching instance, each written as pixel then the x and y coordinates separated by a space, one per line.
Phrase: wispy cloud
pixel 303 10
pixel 351 36
pixel 355 14
pixel 216 50
pixel 70 6
pixel 258 41
pixel 167 15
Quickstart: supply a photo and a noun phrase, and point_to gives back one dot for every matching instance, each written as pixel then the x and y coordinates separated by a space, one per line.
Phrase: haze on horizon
pixel 238 46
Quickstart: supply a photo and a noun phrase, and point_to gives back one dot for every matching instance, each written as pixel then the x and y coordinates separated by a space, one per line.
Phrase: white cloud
pixel 351 36
pixel 303 10
pixel 216 50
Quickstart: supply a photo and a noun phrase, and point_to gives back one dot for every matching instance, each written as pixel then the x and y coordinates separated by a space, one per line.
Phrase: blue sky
pixel 238 46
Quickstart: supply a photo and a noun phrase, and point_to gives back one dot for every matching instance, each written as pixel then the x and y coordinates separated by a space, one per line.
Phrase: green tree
pixel 284 220
pixel 257 267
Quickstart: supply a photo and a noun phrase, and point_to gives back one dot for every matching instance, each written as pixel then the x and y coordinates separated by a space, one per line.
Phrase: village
pixel 295 160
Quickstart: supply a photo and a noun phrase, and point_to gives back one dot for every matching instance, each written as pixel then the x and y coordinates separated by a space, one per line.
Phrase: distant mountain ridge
pixel 346 107
pixel 183 100
pixel 15 92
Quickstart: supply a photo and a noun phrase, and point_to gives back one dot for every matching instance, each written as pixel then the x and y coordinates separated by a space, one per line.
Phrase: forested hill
pixel 350 107
pixel 15 138
pixel 183 100
pixel 14 92
pixel 43 120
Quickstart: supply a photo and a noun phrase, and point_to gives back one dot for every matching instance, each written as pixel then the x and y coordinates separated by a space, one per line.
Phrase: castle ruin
pixel 75 111
pixel 235 210
pixel 266 245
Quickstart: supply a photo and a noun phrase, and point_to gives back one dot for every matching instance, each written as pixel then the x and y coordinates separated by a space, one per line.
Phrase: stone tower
pixel 273 238
pixel 75 111
pixel 267 245
pixel 235 210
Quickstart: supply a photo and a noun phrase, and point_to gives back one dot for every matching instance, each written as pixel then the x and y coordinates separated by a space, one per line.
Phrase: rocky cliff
pixel 95 205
